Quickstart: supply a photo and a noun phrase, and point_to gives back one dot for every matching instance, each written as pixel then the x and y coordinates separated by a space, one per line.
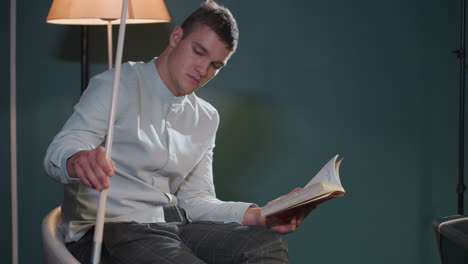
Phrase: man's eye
pixel 198 52
pixel 217 66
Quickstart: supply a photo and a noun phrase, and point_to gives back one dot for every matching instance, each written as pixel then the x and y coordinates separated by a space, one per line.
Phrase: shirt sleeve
pixel 85 129
pixel 197 196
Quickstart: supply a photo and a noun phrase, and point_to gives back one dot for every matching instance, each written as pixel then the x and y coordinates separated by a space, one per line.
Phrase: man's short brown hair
pixel 218 18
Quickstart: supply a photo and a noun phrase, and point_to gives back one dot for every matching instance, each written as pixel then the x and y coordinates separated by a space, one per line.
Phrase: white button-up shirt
pixel 162 149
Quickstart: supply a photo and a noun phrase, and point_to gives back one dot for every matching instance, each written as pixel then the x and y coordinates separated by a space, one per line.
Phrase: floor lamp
pixel 13 143
pixel 104 12
pixel 461 54
pixel 151 12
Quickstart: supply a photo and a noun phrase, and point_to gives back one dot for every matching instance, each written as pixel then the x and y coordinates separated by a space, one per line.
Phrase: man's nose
pixel 202 67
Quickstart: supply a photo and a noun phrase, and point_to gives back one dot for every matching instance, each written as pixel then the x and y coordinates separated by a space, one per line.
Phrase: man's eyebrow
pixel 200 46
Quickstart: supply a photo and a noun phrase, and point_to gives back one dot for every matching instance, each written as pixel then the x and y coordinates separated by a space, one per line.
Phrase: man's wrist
pixel 253 216
pixel 66 171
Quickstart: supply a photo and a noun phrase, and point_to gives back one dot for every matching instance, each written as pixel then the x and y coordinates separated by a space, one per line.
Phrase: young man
pixel 163 133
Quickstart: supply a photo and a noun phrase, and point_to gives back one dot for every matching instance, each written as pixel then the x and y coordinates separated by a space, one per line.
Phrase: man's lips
pixel 193 79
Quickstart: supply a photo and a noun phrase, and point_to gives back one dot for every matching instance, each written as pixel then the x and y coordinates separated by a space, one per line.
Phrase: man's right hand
pixel 91 167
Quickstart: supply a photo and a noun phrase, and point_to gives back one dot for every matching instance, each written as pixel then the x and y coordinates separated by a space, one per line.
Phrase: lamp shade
pixel 100 12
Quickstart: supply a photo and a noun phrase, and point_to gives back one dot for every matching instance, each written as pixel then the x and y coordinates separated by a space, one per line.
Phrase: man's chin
pixel 190 89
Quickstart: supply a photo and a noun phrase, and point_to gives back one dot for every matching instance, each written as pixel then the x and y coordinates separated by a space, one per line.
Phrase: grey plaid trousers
pixel 180 241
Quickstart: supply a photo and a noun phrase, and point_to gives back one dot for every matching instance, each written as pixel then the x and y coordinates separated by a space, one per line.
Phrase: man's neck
pixel 161 67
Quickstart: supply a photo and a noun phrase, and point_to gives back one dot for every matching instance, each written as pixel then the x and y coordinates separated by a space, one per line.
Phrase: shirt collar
pixel 161 89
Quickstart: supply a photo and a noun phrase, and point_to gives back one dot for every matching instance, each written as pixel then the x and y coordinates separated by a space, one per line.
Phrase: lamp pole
pixel 84 57
pixel 461 121
pixel 13 139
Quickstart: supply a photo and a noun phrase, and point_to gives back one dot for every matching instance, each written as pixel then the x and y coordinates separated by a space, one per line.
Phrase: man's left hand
pixel 284 222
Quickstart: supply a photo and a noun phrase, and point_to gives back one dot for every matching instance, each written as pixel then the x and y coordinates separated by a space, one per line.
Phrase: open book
pixel 325 185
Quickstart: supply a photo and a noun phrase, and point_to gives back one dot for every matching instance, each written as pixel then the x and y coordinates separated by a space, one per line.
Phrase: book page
pixel 329 173
pixel 325 185
pixel 316 194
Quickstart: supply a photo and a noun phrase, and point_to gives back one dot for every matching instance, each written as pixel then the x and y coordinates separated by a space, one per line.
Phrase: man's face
pixel 195 59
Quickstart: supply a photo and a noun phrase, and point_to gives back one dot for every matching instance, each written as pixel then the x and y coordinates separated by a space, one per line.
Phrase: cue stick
pixel 99 227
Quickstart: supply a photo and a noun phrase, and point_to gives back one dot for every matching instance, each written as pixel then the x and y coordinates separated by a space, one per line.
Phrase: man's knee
pixel 264 246
pixel 235 243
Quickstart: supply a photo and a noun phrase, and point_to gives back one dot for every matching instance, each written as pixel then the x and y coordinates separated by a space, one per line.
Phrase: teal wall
pixel 5 224
pixel 374 81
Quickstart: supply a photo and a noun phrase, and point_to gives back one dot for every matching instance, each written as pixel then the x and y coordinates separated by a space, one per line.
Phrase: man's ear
pixel 176 36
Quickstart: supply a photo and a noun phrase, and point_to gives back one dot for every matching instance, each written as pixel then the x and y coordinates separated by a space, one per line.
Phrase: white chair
pixel 53 245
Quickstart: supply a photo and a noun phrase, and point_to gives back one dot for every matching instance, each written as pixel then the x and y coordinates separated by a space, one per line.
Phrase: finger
pixel 292 228
pixel 286 216
pixel 293 225
pixel 305 212
pixel 284 229
pixel 113 166
pixel 302 215
pixel 98 171
pixel 293 222
pixel 102 161
pixel 300 220
pixel 100 175
pixel 80 174
pixel 89 174
pixel 72 163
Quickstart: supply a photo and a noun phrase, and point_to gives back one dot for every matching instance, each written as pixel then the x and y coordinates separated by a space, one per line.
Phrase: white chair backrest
pixel 53 245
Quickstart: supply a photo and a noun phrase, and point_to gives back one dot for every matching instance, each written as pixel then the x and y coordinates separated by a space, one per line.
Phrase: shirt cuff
pixel 239 209
pixel 63 167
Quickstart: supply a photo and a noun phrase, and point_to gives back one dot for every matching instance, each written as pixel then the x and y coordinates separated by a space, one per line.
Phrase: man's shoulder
pixel 126 68
pixel 133 66
pixel 136 66
pixel 203 105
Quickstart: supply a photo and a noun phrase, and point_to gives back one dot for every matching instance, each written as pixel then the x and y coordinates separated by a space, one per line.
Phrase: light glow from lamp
pixel 100 12
pixel 107 12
